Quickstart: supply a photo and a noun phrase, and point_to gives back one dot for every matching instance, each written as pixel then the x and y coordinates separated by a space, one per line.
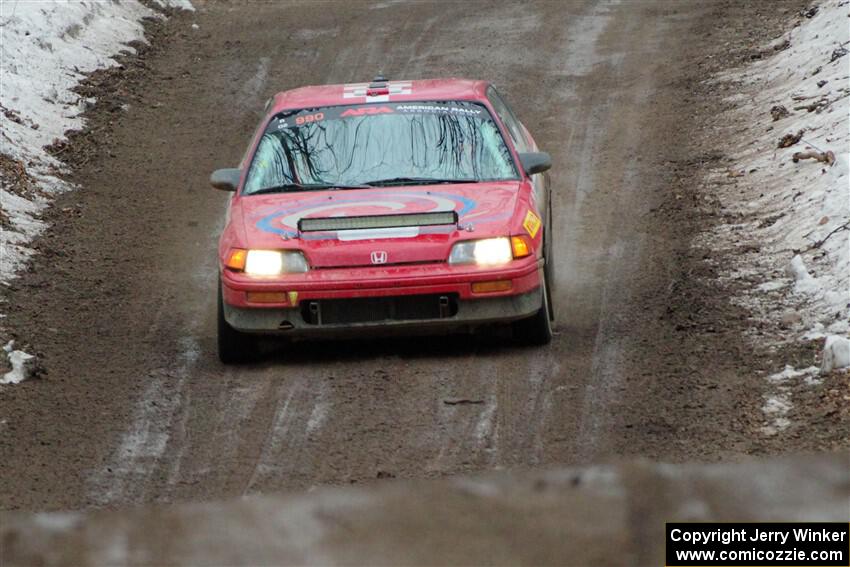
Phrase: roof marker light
pixel 379 86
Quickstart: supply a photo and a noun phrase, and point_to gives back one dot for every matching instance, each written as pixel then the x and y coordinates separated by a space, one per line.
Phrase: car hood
pixel 272 221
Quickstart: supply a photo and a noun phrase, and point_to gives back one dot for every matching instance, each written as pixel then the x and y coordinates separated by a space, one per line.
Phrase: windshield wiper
pixel 416 181
pixel 291 187
pixel 389 182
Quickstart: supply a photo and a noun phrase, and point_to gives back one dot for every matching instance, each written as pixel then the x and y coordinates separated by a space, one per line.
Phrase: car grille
pixel 377 309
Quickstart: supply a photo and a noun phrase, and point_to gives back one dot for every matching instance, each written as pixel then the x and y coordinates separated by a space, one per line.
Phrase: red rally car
pixel 390 206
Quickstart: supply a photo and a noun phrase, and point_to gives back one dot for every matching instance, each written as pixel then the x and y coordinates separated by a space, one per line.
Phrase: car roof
pixel 399 91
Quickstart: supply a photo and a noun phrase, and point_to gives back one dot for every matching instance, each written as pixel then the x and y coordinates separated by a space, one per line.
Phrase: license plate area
pixel 379 309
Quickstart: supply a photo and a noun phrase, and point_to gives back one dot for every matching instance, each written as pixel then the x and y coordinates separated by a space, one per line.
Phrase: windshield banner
pixel 294 119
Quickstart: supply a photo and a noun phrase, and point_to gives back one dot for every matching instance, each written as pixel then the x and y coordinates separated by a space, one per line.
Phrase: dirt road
pixel 119 305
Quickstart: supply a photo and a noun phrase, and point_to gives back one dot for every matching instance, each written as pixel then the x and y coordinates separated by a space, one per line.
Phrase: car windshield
pixel 379 145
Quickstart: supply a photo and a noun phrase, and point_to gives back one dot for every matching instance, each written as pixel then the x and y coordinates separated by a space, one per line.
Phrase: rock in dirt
pixel 778 112
pixel 825 157
pixel 789 139
pixel 838 53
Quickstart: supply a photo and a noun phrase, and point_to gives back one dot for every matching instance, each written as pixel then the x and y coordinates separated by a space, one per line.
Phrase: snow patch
pixel 789 373
pixel 771 285
pixel 804 282
pixel 47 48
pixel 836 353
pixel 21 362
pixel 777 403
pixel 179 4
pixel 317 417
pixel 787 205
pixel 484 426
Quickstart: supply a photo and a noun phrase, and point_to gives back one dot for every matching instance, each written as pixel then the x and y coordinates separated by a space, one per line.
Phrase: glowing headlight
pixel 488 252
pixel 274 262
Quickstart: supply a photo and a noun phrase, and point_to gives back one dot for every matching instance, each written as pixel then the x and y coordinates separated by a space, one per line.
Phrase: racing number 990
pixel 308 118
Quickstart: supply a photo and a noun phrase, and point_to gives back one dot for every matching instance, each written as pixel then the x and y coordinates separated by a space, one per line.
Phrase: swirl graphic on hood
pixel 285 222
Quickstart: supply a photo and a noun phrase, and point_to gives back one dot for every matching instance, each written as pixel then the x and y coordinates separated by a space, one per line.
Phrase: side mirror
pixel 225 179
pixel 535 162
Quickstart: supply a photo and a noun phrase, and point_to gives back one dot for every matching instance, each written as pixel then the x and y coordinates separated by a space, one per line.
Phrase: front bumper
pixel 470 314
pixel 467 311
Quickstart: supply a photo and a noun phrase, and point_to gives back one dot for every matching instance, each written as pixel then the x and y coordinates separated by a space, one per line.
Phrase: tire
pixel 537 329
pixel 233 347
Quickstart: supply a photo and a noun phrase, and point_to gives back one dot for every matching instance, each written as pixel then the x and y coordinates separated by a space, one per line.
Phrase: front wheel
pixel 537 329
pixel 233 347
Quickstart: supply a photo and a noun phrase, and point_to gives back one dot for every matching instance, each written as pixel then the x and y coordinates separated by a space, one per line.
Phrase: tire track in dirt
pixel 142 446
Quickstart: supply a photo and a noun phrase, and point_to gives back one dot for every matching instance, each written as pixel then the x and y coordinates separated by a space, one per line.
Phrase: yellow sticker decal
pixel 293 298
pixel 531 224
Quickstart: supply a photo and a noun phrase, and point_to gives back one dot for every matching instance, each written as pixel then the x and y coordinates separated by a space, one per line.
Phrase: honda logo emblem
pixel 379 257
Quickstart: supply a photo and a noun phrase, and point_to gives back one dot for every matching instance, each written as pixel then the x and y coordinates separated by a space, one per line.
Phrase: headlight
pixel 487 252
pixel 275 262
